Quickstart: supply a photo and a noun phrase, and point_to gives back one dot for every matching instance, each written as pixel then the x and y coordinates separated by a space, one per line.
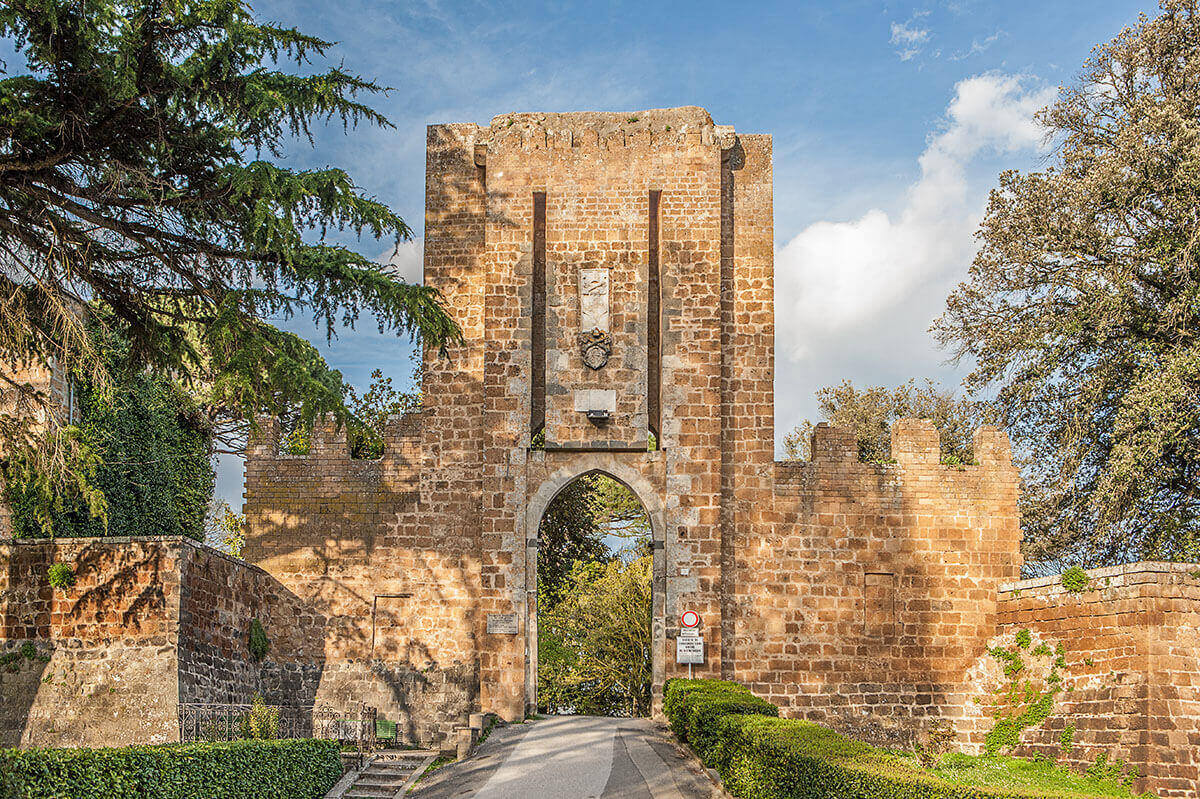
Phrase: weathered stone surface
pixel 1132 643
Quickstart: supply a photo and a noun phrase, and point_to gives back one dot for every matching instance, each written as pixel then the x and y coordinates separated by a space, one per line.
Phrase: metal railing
pixel 227 722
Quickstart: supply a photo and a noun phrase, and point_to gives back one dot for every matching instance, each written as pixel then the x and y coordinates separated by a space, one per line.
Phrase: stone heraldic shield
pixel 595 346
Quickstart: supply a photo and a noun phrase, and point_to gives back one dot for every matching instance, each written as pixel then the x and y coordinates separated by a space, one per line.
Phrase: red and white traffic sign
pixel 690 619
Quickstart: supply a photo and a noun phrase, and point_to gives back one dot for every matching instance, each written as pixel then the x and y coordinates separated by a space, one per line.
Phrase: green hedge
pixel 761 756
pixel 290 769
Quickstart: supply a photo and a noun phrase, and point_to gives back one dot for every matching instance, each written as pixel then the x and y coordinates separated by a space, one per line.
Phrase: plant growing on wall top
pixel 1075 580
pixel 259 643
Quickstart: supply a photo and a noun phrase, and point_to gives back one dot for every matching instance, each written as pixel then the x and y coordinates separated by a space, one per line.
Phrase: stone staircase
pixel 387 775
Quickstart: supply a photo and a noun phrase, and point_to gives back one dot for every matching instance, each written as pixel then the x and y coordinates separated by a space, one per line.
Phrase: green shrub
pixel 1075 580
pixel 761 756
pixel 61 575
pixel 697 710
pixel 1024 638
pixel 292 769
pixel 261 722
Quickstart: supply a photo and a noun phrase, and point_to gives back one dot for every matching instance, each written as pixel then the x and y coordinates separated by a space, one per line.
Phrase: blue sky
pixel 890 120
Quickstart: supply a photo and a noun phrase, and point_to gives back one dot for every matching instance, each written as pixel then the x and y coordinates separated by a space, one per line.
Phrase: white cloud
pixel 405 261
pixel 861 293
pixel 977 46
pixel 908 39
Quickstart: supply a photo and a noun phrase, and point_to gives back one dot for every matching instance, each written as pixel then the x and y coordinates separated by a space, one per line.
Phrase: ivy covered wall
pixel 155 472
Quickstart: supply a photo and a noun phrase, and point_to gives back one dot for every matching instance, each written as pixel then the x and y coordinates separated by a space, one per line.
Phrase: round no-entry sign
pixel 690 619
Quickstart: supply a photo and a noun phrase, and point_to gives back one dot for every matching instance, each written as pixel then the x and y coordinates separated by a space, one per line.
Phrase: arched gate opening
pixel 595 629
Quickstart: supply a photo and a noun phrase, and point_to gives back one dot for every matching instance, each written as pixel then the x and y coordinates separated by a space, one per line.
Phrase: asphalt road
pixel 574 757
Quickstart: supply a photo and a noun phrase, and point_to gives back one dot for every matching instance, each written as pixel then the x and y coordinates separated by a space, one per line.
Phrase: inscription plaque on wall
pixel 502 623
pixel 689 647
pixel 593 299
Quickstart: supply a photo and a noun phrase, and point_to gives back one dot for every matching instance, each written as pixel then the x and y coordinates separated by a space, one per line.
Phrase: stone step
pixel 384 780
pixel 388 775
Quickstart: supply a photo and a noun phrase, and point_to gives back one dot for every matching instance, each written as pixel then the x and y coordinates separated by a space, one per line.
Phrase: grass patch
pixel 1032 777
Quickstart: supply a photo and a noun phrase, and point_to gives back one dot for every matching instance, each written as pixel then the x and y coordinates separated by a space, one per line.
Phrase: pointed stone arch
pixel 651 498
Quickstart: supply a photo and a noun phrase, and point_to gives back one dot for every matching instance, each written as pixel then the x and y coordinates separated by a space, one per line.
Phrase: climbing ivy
pixel 155 475
pixel 1066 739
pixel 1035 703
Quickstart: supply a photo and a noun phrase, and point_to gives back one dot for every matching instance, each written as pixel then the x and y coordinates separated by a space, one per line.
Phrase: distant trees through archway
pixel 595 563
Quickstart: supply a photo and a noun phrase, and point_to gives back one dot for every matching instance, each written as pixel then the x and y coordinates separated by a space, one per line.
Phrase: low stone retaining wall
pixel 1131 643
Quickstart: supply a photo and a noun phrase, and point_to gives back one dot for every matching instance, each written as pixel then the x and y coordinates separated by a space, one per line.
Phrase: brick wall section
pixel 219 596
pixel 1139 696
pixel 874 588
pixel 111 677
pixel 385 603
pixel 152 623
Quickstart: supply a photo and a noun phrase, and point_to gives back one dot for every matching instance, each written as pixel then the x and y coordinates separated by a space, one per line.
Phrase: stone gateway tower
pixel 613 276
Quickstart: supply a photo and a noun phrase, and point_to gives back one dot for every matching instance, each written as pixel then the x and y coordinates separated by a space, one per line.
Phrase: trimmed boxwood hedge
pixel 287 769
pixel 761 756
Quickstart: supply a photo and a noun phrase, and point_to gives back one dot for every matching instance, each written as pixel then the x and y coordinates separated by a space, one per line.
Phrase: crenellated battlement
pixel 659 128
pixel 401 437
pixel 915 443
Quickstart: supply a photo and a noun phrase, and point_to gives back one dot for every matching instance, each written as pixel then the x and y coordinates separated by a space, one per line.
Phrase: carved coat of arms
pixel 595 346
pixel 595 342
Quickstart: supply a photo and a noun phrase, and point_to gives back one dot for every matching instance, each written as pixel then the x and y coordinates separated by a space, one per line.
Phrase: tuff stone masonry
pixel 613 276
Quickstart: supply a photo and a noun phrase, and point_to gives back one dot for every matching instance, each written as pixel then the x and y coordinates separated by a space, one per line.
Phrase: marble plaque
pixel 593 299
pixel 502 623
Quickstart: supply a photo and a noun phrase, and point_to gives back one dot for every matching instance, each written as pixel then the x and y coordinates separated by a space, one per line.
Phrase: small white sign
pixel 502 624
pixel 689 647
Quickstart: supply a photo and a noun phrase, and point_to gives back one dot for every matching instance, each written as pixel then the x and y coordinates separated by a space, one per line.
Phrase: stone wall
pixel 106 669
pixel 385 605
pixel 1132 643
pixel 873 587
pixel 148 625
pixel 453 520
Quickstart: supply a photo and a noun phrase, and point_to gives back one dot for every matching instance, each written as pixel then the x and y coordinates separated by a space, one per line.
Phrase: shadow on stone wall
pixel 904 562
pixel 104 670
pixel 20 676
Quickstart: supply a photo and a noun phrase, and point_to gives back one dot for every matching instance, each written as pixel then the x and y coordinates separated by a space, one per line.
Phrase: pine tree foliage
pixel 137 141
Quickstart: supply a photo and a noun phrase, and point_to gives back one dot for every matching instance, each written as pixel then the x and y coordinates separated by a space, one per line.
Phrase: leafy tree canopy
pixel 136 141
pixel 1081 313
pixel 573 529
pixel 594 646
